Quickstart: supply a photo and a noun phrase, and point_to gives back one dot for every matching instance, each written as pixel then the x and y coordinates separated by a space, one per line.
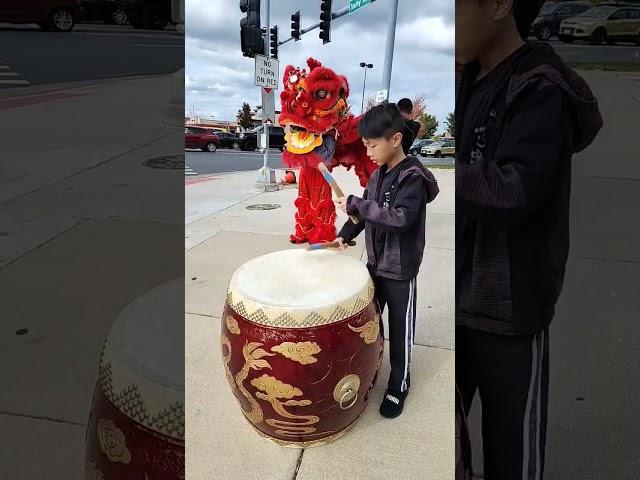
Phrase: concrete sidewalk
pixel 220 235
pixel 78 243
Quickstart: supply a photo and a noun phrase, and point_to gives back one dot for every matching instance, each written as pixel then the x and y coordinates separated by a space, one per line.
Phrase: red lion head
pixel 312 104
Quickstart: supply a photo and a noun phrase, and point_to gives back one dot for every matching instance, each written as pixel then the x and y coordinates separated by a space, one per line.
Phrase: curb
pixel 57 87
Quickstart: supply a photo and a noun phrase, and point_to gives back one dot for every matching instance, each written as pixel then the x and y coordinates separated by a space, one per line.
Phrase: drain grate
pixel 263 206
pixel 168 162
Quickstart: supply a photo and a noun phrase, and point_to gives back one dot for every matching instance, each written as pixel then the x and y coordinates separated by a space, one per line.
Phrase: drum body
pixel 301 344
pixel 136 424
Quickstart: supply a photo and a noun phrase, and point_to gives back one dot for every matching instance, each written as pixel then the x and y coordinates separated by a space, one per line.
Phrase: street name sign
pixel 358 4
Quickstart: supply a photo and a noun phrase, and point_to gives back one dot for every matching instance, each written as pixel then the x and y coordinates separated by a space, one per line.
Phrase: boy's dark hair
pixel 383 120
pixel 405 105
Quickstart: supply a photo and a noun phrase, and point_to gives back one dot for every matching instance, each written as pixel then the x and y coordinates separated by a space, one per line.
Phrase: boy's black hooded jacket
pixel 516 130
pixel 393 214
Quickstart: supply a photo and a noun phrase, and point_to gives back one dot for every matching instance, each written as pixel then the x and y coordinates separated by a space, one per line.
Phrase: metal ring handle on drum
pixel 346 394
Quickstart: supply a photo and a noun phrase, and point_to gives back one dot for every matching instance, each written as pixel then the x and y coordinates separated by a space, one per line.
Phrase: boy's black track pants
pixel 400 297
pixel 511 374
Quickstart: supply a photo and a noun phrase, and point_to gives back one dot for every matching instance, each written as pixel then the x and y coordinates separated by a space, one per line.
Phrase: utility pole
pixel 391 38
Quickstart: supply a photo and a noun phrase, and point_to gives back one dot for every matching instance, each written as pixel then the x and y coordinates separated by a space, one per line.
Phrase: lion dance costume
pixel 321 129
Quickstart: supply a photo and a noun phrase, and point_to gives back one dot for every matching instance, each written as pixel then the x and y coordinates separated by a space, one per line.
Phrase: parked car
pixel 108 11
pixel 151 14
pixel 57 15
pixel 228 140
pixel 249 140
pixel 203 138
pixel 606 23
pixel 417 146
pixel 440 149
pixel 547 24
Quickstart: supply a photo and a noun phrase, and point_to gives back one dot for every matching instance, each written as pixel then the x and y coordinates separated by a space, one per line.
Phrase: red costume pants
pixel 316 215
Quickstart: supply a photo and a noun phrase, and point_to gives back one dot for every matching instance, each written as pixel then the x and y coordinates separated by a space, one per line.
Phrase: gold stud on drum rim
pixel 347 391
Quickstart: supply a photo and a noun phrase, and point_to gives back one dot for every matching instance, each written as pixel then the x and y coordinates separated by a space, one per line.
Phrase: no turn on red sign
pixel 267 72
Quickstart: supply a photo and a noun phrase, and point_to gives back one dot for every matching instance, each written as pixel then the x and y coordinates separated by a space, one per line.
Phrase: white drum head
pixel 300 288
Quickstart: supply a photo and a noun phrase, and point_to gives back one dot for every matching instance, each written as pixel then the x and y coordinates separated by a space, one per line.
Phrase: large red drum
pixel 136 424
pixel 301 344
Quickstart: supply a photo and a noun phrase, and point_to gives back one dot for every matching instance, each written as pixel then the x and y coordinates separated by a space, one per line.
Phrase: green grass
pixel 606 67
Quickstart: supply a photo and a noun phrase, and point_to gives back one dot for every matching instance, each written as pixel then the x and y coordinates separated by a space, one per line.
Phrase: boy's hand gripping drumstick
pixel 334 186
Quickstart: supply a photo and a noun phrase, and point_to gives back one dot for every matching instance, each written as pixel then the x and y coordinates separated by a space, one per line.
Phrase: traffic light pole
pixel 267 50
pixel 391 39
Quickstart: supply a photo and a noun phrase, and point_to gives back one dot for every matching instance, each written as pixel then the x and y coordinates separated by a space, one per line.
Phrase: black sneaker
pixel 393 403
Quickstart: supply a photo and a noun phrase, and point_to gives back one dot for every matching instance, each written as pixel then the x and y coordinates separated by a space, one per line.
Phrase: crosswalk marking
pixel 189 171
pixel 15 82
pixel 8 78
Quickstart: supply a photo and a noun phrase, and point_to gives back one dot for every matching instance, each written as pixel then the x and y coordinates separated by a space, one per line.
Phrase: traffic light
pixel 252 9
pixel 274 42
pixel 325 21
pixel 295 26
pixel 251 40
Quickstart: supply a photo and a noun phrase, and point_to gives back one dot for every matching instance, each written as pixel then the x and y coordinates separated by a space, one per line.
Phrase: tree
pixel 369 103
pixel 450 123
pixel 429 125
pixel 419 106
pixel 244 116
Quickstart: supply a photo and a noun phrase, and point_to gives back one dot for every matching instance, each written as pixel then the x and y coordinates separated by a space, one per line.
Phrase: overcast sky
pixel 219 79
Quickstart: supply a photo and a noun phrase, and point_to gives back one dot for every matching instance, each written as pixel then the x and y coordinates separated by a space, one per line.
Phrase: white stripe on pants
pixel 409 325
pixel 531 450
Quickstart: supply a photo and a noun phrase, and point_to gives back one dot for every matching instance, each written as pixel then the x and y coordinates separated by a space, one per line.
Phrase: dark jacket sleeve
pixel 401 216
pixel 351 230
pixel 509 187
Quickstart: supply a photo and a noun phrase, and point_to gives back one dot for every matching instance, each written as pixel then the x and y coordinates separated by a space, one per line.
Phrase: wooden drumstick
pixel 335 187
pixel 323 246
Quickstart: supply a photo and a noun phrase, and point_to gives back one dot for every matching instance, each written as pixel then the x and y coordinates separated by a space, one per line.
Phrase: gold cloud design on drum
pixel 369 331
pixel 301 352
pixel 275 390
pixel 112 442
pixel 253 360
pixel 226 358
pixel 92 472
pixel 232 325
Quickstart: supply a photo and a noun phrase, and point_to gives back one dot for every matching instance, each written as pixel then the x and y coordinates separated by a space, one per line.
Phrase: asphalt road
pixel 226 160
pixel 585 52
pixel 30 56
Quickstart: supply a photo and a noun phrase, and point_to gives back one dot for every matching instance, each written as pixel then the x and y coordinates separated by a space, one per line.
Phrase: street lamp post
pixel 365 66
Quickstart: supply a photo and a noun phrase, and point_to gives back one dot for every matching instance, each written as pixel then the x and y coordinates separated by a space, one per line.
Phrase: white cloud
pixel 219 79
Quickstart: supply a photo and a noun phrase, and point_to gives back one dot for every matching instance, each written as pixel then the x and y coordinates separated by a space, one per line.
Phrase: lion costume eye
pixel 321 94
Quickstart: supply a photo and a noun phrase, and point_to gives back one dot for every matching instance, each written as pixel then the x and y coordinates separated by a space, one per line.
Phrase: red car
pixel 58 15
pixel 202 138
